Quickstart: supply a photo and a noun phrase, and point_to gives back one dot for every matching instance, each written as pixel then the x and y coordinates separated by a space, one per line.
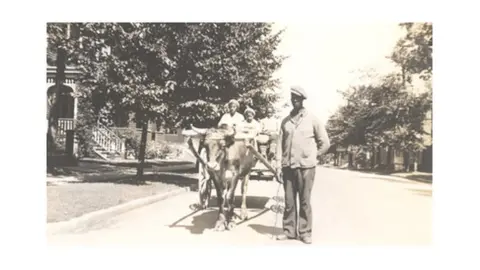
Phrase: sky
pixel 322 58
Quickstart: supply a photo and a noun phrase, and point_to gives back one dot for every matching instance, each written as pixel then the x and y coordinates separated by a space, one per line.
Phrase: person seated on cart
pixel 269 134
pixel 231 118
pixel 250 125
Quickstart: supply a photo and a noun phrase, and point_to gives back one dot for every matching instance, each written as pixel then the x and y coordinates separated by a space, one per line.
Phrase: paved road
pixel 349 208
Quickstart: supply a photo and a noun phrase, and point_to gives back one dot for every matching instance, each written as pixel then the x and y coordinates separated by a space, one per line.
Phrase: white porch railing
pixel 107 139
pixel 65 124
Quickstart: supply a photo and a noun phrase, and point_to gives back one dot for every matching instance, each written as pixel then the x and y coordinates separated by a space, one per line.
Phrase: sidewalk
pixel 423 177
pixel 416 177
pixel 99 172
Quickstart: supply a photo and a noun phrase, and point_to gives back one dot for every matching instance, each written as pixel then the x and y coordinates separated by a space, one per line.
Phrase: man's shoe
pixel 284 237
pixel 306 239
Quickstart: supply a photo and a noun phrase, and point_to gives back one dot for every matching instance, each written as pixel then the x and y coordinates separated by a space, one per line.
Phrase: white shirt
pixel 253 127
pixel 230 120
pixel 270 125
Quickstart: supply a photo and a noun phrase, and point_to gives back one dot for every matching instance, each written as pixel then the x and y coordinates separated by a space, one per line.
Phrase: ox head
pixel 215 141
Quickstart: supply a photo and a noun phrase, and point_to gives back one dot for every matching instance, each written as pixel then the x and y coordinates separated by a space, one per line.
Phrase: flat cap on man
pixel 298 91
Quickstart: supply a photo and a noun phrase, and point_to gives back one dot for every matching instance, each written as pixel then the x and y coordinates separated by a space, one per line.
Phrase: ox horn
pixel 202 131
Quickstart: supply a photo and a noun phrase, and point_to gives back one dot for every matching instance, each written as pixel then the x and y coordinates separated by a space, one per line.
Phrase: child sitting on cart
pixel 250 125
pixel 269 134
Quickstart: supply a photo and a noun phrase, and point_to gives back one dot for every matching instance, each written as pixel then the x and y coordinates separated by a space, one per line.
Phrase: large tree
pixel 413 52
pixel 385 110
pixel 127 67
pixel 381 113
pixel 218 62
pixel 177 73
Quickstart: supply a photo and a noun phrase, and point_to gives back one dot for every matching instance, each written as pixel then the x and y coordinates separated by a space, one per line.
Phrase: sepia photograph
pixel 239 133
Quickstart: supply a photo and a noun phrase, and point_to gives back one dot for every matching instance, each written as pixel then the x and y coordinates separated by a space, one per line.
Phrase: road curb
pixel 133 163
pixel 118 176
pixel 394 177
pixel 375 175
pixel 97 216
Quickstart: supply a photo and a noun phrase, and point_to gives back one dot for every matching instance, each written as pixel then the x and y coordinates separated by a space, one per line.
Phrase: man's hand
pixel 278 173
pixel 319 155
pixel 279 176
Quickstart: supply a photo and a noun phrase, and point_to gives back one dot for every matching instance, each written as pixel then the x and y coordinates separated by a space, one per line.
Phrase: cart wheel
pixel 204 182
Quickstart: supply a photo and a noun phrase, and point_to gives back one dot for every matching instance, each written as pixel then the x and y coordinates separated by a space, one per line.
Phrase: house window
pixel 154 135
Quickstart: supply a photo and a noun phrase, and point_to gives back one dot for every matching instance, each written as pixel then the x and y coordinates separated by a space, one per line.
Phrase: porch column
pixel 75 109
pixel 75 99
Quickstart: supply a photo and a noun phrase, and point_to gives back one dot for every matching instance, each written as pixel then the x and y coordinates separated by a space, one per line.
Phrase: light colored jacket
pixel 301 141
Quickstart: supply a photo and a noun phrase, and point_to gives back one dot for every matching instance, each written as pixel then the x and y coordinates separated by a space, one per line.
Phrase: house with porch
pixel 108 143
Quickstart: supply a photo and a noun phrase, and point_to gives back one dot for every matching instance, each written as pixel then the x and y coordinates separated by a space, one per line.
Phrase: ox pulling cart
pixel 205 181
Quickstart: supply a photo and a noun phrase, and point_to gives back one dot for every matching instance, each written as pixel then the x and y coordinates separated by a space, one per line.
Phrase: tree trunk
pixel 143 146
pixel 406 160
pixel 390 159
pixel 350 159
pixel 373 158
pixel 415 161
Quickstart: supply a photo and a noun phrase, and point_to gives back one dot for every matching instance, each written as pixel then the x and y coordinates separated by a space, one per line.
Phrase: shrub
pixel 83 131
pixel 153 150
pixel 132 140
pixel 163 150
pixel 326 159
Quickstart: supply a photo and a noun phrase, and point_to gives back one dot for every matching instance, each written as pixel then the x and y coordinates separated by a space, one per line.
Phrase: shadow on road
pixel 207 218
pixel 200 223
pixel 420 178
pixel 253 202
pixel 164 177
pixel 266 230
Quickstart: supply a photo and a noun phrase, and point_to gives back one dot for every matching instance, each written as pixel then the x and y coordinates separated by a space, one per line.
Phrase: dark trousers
pixel 298 181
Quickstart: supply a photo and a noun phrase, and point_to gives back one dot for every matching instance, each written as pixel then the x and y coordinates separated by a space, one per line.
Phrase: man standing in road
pixel 303 139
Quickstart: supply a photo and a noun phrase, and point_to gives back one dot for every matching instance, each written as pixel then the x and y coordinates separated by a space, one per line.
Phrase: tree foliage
pixel 180 73
pixel 175 73
pixel 413 52
pixel 218 62
pixel 384 110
